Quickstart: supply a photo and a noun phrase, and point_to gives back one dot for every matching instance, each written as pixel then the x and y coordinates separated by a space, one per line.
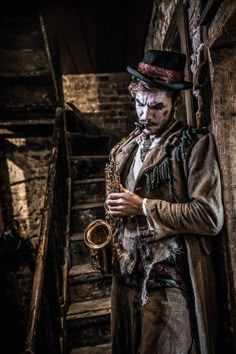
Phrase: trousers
pixel 161 326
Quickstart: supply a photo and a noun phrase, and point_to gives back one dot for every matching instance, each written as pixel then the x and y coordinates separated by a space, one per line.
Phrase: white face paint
pixel 154 108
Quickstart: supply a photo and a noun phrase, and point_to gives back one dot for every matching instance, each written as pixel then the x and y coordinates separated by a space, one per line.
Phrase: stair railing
pixel 47 309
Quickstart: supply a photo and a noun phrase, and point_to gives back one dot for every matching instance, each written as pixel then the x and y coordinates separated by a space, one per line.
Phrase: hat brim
pixel 183 85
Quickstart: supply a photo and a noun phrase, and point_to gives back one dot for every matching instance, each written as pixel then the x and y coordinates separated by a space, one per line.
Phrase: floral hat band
pixel 162 69
pixel 160 74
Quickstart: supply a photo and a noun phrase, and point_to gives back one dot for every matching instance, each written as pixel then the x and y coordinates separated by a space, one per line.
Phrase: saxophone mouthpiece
pixel 140 126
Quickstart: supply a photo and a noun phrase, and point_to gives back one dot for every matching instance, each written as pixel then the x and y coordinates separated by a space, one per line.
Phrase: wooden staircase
pixel 31 106
pixel 88 316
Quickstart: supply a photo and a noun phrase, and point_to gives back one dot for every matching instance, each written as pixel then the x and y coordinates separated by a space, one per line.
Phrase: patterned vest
pixel 168 273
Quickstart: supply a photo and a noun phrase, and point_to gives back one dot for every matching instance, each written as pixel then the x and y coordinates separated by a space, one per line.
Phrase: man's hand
pixel 124 203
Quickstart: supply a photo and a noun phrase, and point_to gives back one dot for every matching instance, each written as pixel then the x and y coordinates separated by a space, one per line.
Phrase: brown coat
pixel 194 210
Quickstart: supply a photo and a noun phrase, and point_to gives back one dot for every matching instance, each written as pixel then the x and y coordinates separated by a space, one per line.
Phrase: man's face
pixel 155 109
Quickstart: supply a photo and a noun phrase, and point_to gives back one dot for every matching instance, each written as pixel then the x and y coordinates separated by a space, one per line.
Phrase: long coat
pixel 185 200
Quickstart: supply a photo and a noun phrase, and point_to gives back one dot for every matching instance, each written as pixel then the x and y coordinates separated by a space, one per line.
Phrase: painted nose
pixel 146 114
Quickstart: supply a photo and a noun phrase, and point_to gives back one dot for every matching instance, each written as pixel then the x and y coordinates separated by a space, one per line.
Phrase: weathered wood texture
pixel 29 97
pixel 214 27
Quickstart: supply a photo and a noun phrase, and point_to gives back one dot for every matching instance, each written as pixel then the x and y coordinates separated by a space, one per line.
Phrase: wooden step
pixel 97 349
pixel 20 37
pixel 89 323
pixel 89 309
pixel 81 144
pixel 82 270
pixel 88 181
pixel 23 60
pixel 87 167
pixel 77 237
pixel 110 123
pixel 87 284
pixel 87 206
pixel 27 111
pixel 76 121
pixel 89 157
pixel 26 92
pixel 79 251
pixel 25 74
pixel 82 215
pixel 91 190
pixel 27 130
pixel 25 122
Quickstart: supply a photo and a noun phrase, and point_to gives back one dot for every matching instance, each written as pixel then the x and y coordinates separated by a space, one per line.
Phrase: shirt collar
pixel 142 137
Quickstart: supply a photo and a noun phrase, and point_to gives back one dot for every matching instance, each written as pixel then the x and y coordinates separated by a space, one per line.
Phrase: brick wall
pixel 103 100
pixel 27 162
pixel 27 166
pixel 24 167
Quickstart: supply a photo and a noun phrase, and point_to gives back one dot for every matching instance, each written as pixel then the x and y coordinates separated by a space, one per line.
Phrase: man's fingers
pixel 116 208
pixel 117 212
pixel 123 189
pixel 114 202
pixel 115 196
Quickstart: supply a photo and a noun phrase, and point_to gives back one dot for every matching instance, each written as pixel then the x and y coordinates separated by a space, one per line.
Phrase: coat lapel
pixel 124 154
pixel 158 152
pixel 156 155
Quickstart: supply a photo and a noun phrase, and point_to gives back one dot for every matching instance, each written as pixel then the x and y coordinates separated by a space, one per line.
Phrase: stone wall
pixel 103 100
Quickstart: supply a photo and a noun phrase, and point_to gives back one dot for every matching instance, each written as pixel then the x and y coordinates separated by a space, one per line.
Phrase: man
pixel 170 206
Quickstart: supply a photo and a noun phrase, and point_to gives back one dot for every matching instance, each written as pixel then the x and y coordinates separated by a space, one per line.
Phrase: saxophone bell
pixel 97 237
pixel 100 235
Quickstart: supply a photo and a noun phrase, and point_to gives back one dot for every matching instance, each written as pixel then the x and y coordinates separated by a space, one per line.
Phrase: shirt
pixel 138 163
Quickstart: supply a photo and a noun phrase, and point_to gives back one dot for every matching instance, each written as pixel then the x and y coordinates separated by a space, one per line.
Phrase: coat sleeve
pixel 203 214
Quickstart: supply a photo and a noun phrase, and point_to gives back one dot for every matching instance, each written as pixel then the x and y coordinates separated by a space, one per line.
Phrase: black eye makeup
pixel 158 106
pixel 139 103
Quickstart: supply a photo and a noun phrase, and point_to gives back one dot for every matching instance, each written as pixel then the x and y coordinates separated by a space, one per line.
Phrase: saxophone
pixel 100 234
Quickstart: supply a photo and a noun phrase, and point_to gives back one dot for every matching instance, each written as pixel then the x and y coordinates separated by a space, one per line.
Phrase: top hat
pixel 162 69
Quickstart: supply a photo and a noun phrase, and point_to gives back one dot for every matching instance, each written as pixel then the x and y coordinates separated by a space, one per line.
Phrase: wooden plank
pixel 23 60
pixel 77 237
pixel 26 92
pixel 90 190
pixel 97 349
pixel 89 180
pixel 25 74
pixel 81 269
pixel 94 308
pixel 21 37
pixel 84 273
pixel 38 281
pixel 24 131
pixel 87 206
pixel 90 157
pixel 25 122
